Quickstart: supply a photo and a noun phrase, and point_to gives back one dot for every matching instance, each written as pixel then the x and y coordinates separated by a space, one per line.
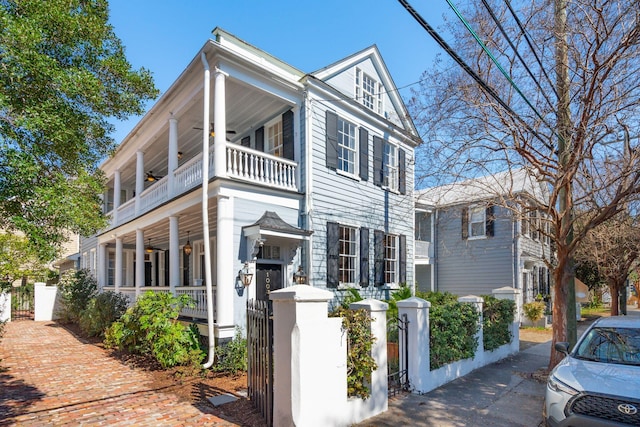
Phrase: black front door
pixel 268 279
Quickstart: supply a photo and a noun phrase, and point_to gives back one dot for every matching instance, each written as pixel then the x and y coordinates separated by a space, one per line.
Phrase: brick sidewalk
pixel 48 377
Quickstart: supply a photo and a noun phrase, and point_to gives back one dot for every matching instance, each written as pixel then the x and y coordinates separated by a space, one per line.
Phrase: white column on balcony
pixel 117 274
pixel 116 195
pixel 220 123
pixel 174 254
pixel 139 178
pixel 173 153
pixel 224 272
pixel 102 266
pixel 139 261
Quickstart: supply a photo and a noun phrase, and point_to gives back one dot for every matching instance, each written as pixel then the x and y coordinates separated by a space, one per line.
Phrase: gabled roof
pixel 505 185
pixel 371 53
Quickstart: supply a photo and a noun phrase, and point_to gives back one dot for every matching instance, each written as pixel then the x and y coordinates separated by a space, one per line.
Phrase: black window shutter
pixel 364 154
pixel 332 139
pixel 402 172
pixel 287 134
pixel 378 257
pixel 378 160
pixel 364 257
pixel 260 139
pixel 166 268
pixel 156 268
pixel 402 257
pixel 246 141
pixel 490 221
pixel 185 269
pixel 465 222
pixel 333 254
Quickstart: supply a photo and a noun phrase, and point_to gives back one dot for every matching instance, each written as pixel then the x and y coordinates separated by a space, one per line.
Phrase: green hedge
pixel 497 319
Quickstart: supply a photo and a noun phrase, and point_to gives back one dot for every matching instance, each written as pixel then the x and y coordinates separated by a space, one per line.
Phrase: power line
pixel 434 34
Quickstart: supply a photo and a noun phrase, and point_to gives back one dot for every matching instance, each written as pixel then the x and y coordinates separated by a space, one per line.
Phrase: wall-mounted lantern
pixel 246 276
pixel 299 278
pixel 187 247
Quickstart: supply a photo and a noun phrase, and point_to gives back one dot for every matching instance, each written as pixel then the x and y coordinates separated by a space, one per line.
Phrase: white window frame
pixel 368 91
pixel 477 218
pixel 274 138
pixel 347 147
pixel 391 259
pixel 391 167
pixel 348 259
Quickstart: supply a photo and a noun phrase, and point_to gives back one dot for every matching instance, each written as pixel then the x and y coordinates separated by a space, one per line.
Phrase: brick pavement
pixel 48 377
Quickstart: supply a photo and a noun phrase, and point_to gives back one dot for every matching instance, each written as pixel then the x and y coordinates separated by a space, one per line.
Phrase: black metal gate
pixel 22 302
pixel 260 357
pixel 398 354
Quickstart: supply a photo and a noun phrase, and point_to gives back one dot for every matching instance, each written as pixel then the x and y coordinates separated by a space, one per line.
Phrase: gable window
pixel 274 139
pixel 368 91
pixel 477 221
pixel 347 148
pixel 348 255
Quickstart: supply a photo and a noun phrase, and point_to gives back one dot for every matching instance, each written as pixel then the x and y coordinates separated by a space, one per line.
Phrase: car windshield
pixel 610 345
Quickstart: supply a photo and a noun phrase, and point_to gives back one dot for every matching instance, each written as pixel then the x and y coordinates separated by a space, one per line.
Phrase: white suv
pixel 598 382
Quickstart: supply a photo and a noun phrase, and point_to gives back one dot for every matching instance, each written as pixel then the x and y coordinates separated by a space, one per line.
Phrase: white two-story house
pixel 482 234
pixel 281 172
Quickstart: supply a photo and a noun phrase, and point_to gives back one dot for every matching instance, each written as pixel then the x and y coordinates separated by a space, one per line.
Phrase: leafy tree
pixel 17 259
pixel 547 86
pixel 63 74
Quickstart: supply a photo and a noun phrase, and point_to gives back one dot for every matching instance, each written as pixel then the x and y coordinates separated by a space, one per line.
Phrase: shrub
pixel 232 356
pixel 497 318
pixel 151 327
pixel 76 289
pixel 102 311
pixel 360 363
pixel 534 311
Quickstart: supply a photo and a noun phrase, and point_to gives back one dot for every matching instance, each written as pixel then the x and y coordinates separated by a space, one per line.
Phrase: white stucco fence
pixel 47 302
pixel 5 306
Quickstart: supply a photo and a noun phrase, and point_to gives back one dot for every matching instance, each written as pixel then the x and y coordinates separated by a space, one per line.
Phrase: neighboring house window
pixel 345 153
pixel 344 245
pixel 347 148
pixel 111 268
pixel 348 255
pixel 274 139
pixel 477 222
pixel 368 91
pixel 423 226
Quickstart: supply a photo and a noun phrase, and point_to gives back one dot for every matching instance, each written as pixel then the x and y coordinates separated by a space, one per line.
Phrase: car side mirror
pixel 562 347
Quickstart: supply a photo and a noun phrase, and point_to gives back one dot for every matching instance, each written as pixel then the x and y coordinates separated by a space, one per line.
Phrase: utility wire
pixel 533 50
pixel 434 34
pixel 515 50
pixel 502 70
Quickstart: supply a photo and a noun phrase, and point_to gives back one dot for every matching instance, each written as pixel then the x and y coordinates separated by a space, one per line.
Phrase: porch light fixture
pixel 187 247
pixel 150 177
pixel 299 277
pixel 246 275
pixel 179 155
pixel 149 248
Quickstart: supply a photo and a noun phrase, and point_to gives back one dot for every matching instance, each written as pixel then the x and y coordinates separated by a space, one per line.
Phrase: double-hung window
pixel 477 221
pixel 390 169
pixel 274 139
pixel 347 147
pixel 368 91
pixel 348 255
pixel 390 259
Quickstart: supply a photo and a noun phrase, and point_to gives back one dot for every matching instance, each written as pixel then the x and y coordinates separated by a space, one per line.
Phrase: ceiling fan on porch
pixel 150 177
pixel 212 133
pixel 149 249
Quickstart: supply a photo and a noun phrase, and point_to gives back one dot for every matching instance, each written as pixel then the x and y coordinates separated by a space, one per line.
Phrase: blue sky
pixel 163 36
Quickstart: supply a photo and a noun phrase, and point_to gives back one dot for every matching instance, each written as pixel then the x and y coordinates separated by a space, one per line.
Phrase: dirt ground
pixel 193 387
pixel 532 336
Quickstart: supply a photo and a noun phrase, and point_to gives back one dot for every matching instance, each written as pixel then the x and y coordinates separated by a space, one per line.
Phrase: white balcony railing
pixel 242 163
pixel 424 249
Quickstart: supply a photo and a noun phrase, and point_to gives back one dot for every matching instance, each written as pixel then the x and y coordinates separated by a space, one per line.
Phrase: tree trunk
pixel 615 298
pixel 561 276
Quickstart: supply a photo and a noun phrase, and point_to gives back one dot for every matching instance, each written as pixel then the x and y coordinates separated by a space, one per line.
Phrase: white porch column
pixel 173 153
pixel 139 178
pixel 102 266
pixel 117 276
pixel 225 268
pixel 220 121
pixel 174 254
pixel 116 195
pixel 139 261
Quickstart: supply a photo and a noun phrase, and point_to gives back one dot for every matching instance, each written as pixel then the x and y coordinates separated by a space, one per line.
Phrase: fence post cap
pixel 506 290
pixel 471 298
pixel 369 304
pixel 301 293
pixel 413 302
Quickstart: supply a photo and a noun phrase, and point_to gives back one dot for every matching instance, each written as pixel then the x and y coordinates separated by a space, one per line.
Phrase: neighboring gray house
pixel 476 236
pixel 305 172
